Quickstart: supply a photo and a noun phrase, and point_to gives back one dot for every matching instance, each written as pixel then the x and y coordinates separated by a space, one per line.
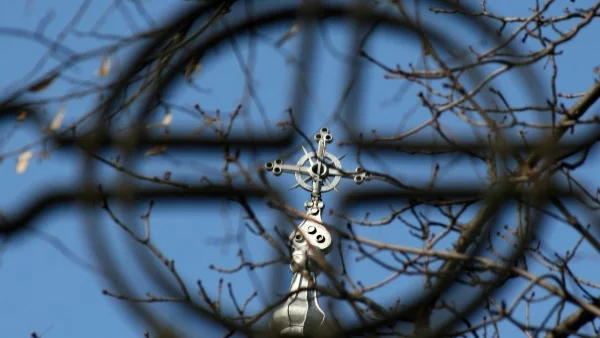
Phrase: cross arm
pixel 277 167
pixel 359 175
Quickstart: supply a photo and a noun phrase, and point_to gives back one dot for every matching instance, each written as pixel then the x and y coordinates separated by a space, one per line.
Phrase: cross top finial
pixel 318 171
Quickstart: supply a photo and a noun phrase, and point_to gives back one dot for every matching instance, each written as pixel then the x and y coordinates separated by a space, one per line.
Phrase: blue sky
pixel 49 280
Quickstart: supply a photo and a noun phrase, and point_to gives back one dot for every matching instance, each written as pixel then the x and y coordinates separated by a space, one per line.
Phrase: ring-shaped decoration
pixel 311 158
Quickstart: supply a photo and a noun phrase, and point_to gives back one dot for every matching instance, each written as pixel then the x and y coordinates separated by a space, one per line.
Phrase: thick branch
pixel 573 323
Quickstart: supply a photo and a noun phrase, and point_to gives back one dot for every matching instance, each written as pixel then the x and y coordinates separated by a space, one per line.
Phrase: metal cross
pixel 317 172
pixel 321 167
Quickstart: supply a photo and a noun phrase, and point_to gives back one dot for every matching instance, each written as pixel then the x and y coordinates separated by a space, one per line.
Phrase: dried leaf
pixel 104 69
pixel 22 116
pixel 43 83
pixel 167 119
pixel 58 119
pixel 192 68
pixel 23 161
pixel 155 150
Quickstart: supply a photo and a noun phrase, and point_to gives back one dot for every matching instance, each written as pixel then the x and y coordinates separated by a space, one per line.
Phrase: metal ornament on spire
pixel 324 170
pixel 317 172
